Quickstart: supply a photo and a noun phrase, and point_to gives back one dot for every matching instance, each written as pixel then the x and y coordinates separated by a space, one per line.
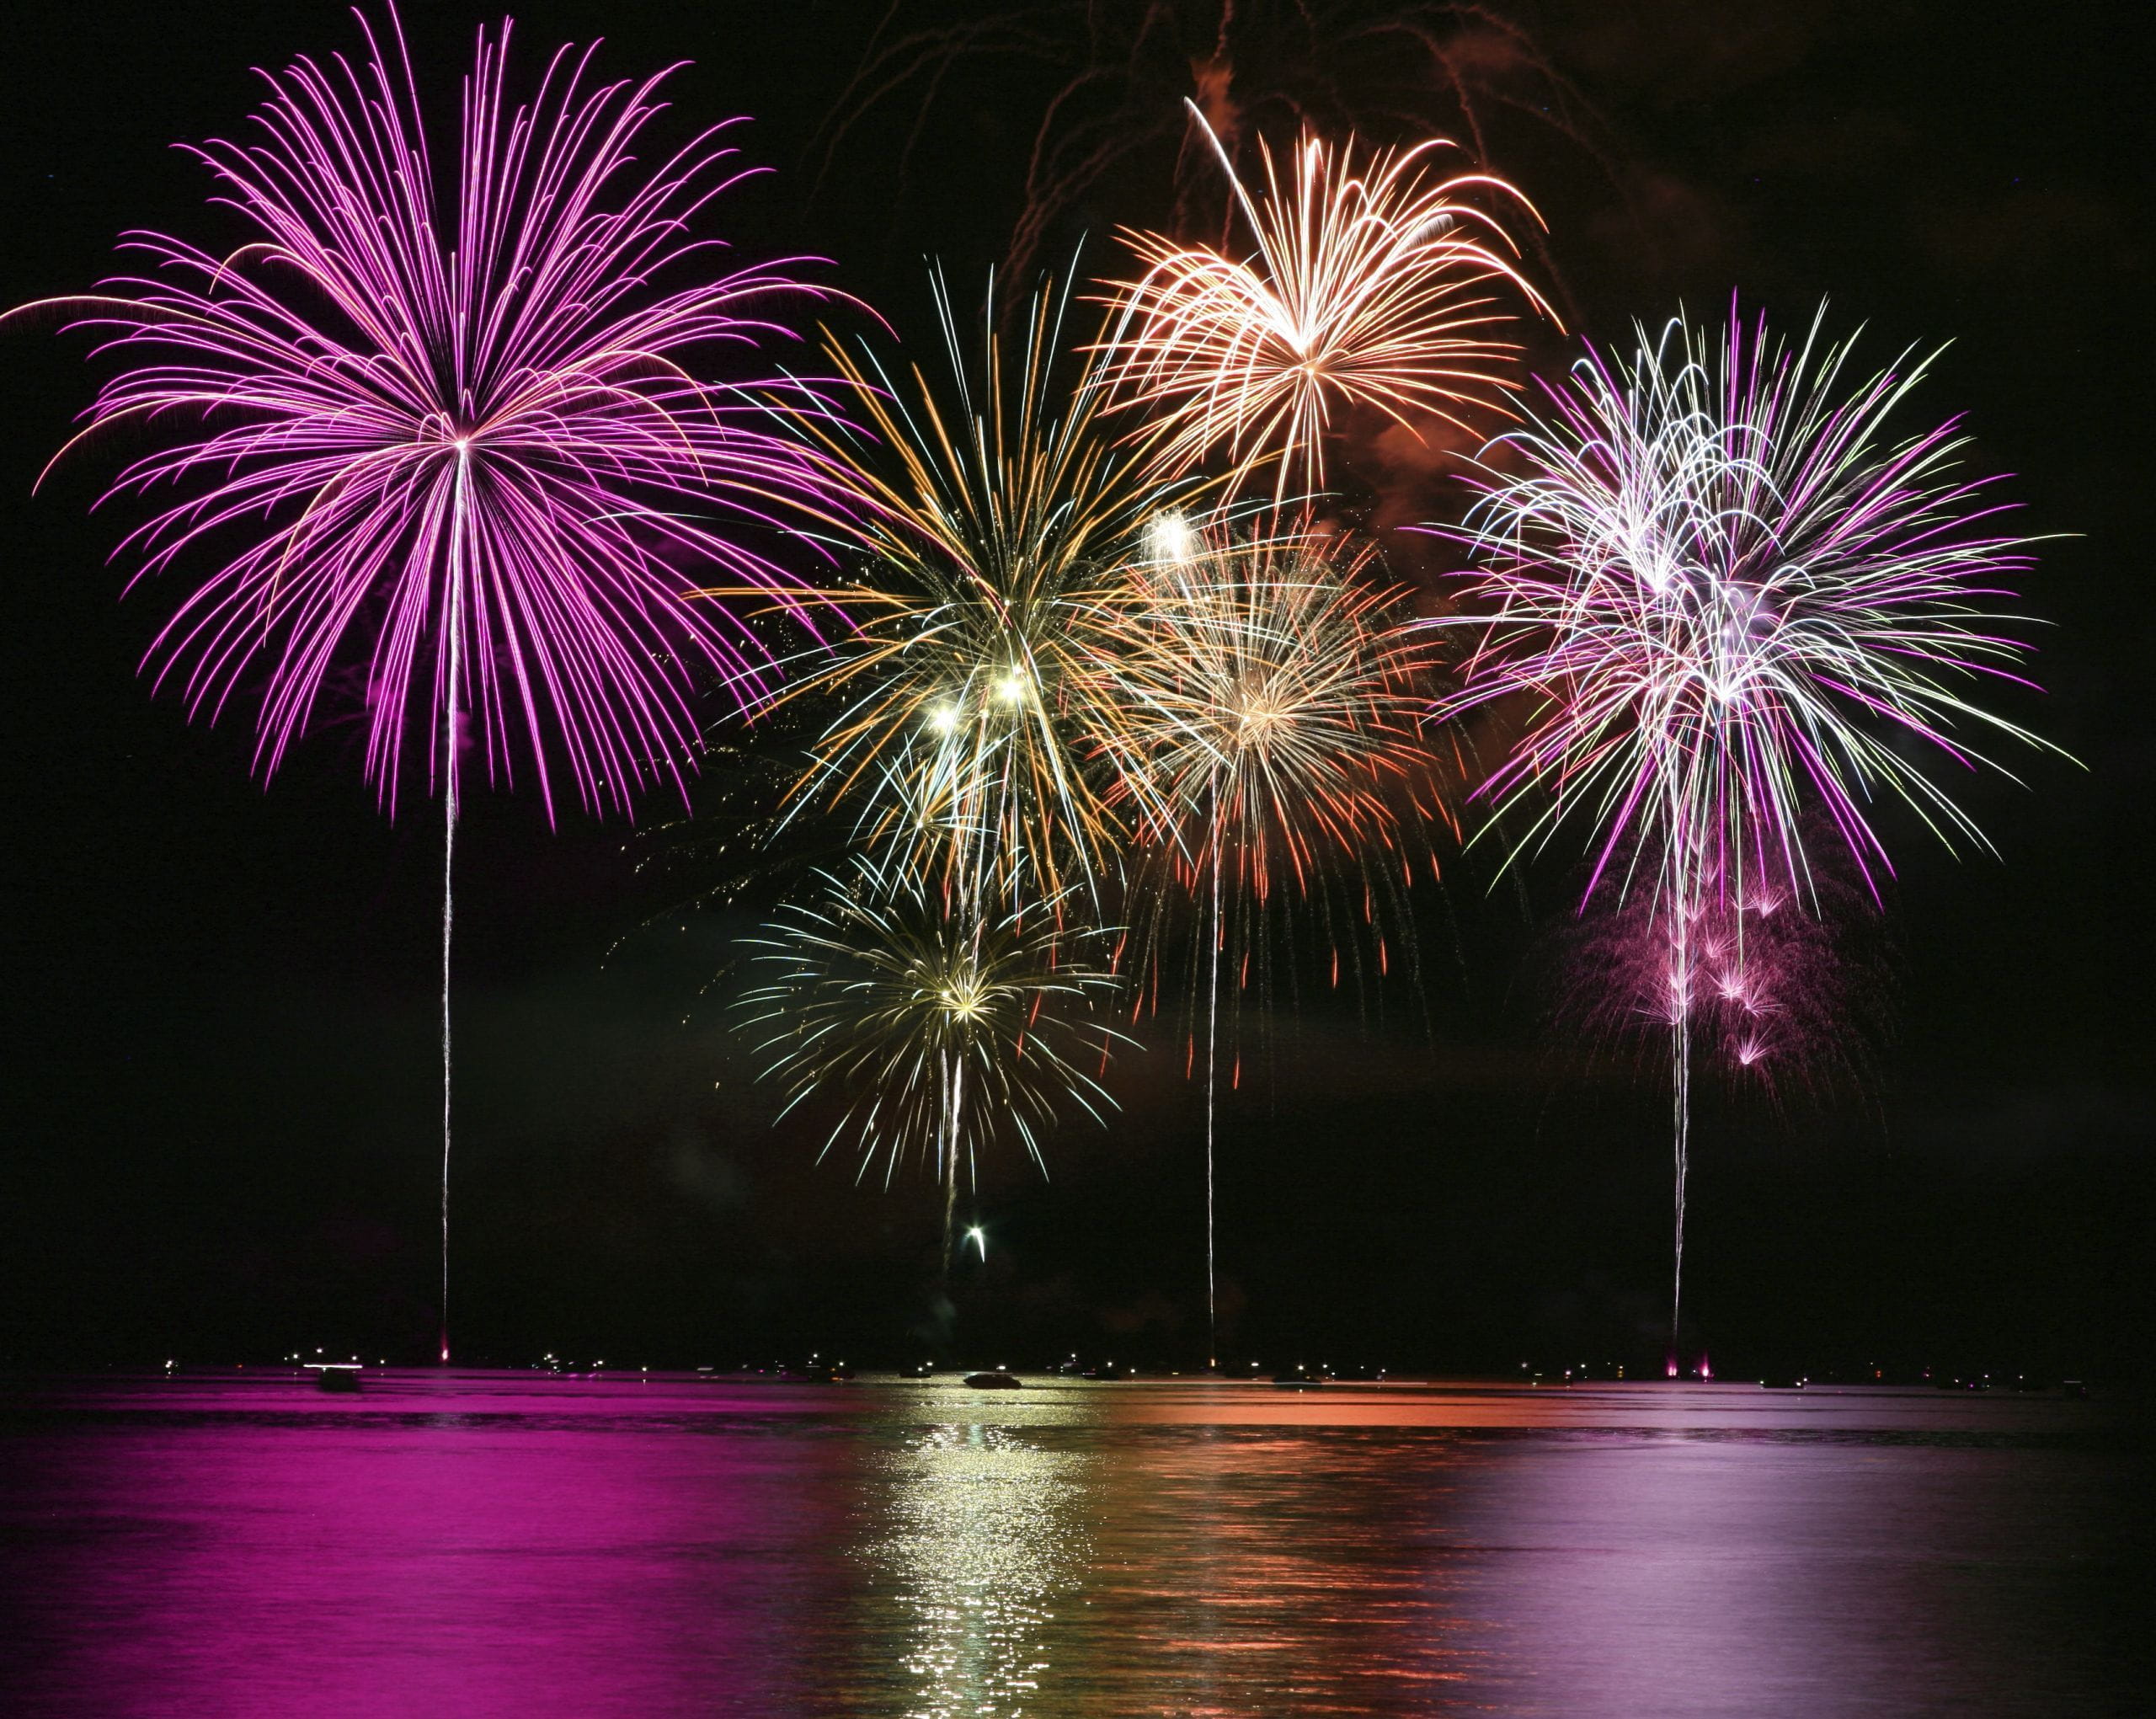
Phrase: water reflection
pixel 1248 1585
pixel 1202 1552
pixel 983 1541
pixel 481 1546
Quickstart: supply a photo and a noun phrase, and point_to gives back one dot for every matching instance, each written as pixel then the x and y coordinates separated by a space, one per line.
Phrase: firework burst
pixel 1377 283
pixel 990 513
pixel 942 1032
pixel 1728 595
pixel 1783 996
pixel 1270 696
pixel 439 427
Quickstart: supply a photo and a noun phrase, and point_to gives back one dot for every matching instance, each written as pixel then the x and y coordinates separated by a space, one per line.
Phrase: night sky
pixel 221 1109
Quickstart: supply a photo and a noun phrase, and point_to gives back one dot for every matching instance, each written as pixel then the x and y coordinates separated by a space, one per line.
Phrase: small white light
pixel 1168 537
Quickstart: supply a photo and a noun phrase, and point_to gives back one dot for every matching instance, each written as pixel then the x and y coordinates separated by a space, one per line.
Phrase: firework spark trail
pixel 450 421
pixel 1749 984
pixel 1212 1083
pixel 1270 733
pixel 455 630
pixel 1722 589
pixel 1376 285
pixel 937 1029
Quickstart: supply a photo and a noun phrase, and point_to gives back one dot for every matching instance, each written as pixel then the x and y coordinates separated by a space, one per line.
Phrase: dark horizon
pixel 224 1131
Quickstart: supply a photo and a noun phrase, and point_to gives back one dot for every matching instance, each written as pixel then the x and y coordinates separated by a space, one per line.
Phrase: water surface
pixel 536 1546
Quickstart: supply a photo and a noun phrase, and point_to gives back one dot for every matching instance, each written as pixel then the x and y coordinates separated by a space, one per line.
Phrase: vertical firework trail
pixel 1680 1052
pixel 453 688
pixel 1267 745
pixel 1213 937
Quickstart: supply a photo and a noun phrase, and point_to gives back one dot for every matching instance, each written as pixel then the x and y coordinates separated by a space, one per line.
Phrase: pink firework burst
pixel 443 428
pixel 1734 604
pixel 1777 993
pixel 443 425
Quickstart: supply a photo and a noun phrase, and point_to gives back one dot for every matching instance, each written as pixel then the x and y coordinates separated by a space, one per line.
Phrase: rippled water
pixel 533 1546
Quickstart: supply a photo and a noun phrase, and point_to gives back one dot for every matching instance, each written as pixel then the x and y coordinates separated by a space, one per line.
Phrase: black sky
pixel 220 1109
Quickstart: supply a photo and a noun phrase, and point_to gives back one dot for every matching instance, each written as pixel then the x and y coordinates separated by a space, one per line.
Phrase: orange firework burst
pixel 1376 283
pixel 1270 705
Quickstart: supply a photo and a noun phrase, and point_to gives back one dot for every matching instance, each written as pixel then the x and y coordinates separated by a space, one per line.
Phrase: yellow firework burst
pixel 941 1032
pixel 991 513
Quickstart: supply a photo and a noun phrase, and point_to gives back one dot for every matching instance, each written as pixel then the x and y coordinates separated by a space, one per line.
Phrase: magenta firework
pixel 440 431
pixel 1781 996
pixel 1734 604
pixel 441 425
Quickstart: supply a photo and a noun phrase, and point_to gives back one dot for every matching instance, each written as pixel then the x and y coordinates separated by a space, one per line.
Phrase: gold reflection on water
pixel 985 1539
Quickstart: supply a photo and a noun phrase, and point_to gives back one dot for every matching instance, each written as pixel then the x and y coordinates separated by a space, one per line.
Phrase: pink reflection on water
pixel 439 1545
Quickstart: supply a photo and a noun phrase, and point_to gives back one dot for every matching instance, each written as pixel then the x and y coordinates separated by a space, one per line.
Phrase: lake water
pixel 536 1546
